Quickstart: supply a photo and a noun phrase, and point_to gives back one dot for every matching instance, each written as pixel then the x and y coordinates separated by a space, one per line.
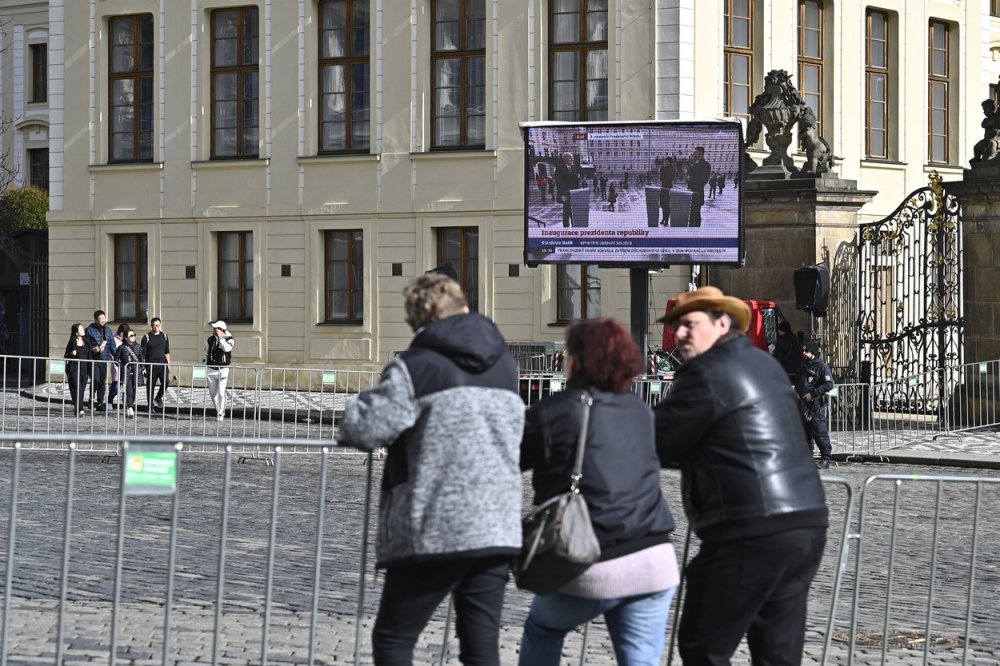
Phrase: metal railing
pixel 147 555
pixel 302 403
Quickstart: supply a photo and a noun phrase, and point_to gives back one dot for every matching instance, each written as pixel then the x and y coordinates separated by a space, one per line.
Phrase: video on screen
pixel 633 193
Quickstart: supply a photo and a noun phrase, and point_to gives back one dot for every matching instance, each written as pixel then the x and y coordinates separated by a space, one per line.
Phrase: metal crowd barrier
pixel 976 404
pixel 938 544
pixel 298 403
pixel 263 561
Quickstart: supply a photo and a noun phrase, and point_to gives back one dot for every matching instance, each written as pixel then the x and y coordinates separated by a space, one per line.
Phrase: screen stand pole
pixel 639 284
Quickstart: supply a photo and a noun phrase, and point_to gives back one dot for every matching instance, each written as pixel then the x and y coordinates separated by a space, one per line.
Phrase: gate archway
pixel 910 319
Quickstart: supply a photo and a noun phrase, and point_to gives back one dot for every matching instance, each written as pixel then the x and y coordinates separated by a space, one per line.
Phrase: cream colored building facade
pixel 194 198
pixel 24 91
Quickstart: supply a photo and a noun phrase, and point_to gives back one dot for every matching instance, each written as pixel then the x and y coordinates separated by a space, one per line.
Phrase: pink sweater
pixel 653 569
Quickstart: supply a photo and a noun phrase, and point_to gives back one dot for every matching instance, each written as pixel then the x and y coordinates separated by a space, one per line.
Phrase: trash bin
pixel 680 207
pixel 652 206
pixel 579 202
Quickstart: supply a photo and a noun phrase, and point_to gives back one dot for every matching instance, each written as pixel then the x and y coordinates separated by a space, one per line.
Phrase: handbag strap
pixel 574 478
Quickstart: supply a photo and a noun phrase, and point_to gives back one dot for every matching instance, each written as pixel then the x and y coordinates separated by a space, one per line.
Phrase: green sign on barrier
pixel 655 387
pixel 550 348
pixel 329 378
pixel 150 469
pixel 982 368
pixel 555 385
pixel 199 372
pixel 57 367
pixel 913 381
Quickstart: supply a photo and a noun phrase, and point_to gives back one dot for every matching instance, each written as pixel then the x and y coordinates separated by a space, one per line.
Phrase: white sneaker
pixel 130 412
pixel 81 413
pixel 221 416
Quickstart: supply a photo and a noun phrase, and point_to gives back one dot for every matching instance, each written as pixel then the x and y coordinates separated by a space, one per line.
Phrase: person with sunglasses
pixel 129 356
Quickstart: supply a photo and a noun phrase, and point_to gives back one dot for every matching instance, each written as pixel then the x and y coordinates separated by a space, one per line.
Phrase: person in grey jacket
pixel 449 412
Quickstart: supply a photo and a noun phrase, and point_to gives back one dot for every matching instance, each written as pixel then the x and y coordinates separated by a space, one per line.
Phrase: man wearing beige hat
pixel 751 491
pixel 218 356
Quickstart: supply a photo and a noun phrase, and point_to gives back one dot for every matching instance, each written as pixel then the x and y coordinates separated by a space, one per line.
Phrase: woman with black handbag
pixel 633 583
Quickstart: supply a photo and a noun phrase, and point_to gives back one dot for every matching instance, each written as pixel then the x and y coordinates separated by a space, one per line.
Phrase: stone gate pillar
pixel 979 194
pixel 794 223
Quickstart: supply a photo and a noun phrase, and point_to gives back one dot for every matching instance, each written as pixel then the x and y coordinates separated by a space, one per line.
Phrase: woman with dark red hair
pixel 634 581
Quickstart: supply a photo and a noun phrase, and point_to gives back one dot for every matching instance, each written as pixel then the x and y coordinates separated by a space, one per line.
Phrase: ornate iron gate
pixel 910 319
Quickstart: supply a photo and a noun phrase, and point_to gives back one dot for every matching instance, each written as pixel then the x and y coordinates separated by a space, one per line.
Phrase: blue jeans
pixel 637 625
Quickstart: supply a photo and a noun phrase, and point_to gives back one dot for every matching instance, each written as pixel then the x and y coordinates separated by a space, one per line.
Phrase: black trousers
pixel 665 204
pixel 412 592
pixel 98 383
pixel 756 587
pixel 697 201
pixel 157 372
pixel 818 432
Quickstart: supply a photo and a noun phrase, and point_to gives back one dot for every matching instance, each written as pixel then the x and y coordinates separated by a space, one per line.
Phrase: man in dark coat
pixel 812 384
pixel 698 175
pixel 566 179
pixel 101 339
pixel 751 491
pixel 787 351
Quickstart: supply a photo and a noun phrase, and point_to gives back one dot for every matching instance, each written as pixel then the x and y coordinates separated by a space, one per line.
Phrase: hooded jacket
pixel 449 411
pixel 732 423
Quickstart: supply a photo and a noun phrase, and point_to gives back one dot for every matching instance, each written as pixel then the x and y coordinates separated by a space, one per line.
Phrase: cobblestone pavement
pixel 140 621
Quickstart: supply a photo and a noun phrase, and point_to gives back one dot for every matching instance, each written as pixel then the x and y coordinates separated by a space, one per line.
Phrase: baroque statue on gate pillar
pixel 778 109
pixel 986 152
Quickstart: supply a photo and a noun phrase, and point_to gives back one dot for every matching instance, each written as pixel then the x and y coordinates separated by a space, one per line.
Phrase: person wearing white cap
pixel 218 355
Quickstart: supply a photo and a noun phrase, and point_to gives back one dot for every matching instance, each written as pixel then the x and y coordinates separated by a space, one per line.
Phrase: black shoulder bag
pixel 559 540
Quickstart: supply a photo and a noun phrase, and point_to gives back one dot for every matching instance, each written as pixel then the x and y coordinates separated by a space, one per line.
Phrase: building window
pixel 131 88
pixel 344 78
pixel 39 55
pixel 460 247
pixel 939 64
pixel 130 277
pixel 877 85
pixel 344 276
pixel 235 79
pixel 578 60
pixel 739 57
pixel 38 168
pixel 579 292
pixel 459 71
pixel 811 57
pixel 236 276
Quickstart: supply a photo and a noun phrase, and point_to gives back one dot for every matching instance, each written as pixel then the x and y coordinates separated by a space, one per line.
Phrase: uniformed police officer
pixel 813 382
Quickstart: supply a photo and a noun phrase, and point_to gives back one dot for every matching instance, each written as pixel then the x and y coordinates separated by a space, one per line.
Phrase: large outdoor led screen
pixel 633 194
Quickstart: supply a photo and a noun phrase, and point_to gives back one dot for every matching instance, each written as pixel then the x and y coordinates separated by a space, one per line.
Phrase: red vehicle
pixel 763 332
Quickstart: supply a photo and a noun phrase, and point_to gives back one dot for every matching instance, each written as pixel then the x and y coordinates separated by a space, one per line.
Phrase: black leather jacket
pixel 732 423
pixel 621 472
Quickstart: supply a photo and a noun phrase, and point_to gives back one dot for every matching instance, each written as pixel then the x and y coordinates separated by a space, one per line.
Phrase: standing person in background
pixel 115 367
pixel 698 175
pixel 78 354
pixel 218 355
pixel 129 356
pixel 668 171
pixel 751 491
pixel 566 179
pixel 812 384
pixel 156 352
pixel 634 582
pixel 787 351
pixel 102 346
pixel 449 411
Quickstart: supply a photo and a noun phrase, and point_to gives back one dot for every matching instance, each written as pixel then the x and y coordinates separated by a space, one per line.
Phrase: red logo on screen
pixel 580 136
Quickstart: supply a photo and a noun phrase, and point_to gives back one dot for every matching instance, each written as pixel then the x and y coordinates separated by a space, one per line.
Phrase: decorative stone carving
pixel 986 152
pixel 778 108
